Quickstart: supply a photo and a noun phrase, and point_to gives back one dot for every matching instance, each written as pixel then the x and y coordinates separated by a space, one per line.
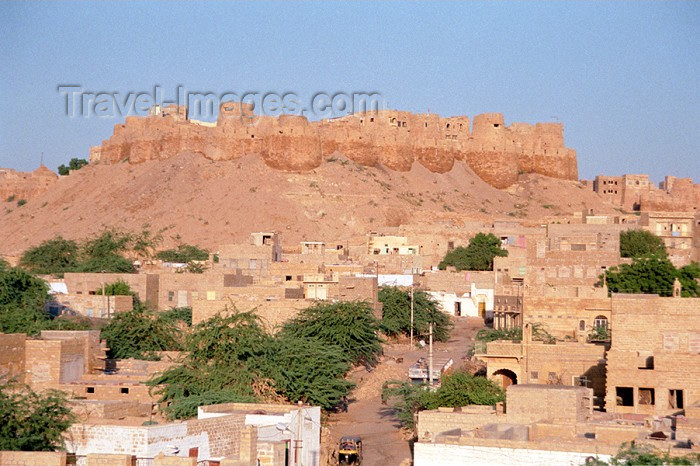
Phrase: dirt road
pixel 384 444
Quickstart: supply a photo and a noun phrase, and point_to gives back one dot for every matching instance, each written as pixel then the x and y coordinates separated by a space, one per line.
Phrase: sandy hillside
pixel 213 202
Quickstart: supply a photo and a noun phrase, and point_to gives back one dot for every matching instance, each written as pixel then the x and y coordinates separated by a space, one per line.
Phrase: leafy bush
pixel 632 454
pixel 492 334
pixel 514 334
pixel 139 333
pixel 599 333
pixel 350 325
pixel 21 202
pixel 102 253
pixel 309 370
pixel 178 314
pixel 32 421
pixel 183 254
pixel 477 256
pixel 53 256
pixel 638 243
pixel 457 389
pixel 118 288
pixel 396 314
pixel 462 389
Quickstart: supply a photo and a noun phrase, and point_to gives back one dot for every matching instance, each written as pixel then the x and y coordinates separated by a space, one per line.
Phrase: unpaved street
pixel 384 444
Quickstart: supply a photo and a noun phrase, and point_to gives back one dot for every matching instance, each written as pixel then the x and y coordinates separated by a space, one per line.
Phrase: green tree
pixel 477 256
pixel 222 365
pixel 184 253
pixel 105 253
pixel 54 256
pixel 145 243
pixel 232 359
pixel 22 299
pixel 396 314
pixel 31 421
pixel 350 325
pixel 139 333
pixel 308 369
pixel 638 243
pixel 688 276
pixel 74 164
pixel 649 274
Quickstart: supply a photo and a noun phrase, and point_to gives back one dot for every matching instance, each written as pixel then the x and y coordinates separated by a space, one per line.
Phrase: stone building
pixel 653 364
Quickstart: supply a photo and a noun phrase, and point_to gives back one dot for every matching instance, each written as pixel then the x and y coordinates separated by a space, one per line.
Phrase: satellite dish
pixel 281 426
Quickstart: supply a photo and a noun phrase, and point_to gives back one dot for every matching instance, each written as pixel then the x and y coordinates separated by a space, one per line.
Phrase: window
pixel 675 399
pixel 287 278
pixel 624 396
pixel 124 391
pixel 171 295
pixel 582 325
pixel 534 375
pixel 90 390
pixel 600 322
pixel 646 396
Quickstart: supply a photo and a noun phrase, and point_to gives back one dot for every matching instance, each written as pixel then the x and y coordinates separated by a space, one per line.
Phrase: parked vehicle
pixel 350 450
pixel 418 372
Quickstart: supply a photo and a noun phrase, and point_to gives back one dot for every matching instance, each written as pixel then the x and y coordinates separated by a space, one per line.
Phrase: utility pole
pixel 297 447
pixel 411 341
pixel 430 360
pixel 105 302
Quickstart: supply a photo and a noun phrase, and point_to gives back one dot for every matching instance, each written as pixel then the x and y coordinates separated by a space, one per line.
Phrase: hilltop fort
pixel 395 139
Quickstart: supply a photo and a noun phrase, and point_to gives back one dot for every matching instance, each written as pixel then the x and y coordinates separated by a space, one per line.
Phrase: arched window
pixel 600 322
pixel 582 325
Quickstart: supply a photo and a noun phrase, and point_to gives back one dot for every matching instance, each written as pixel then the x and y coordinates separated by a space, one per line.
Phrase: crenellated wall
pixel 395 139
pixel 25 185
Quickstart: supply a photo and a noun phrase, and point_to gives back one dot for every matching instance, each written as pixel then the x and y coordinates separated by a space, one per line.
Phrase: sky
pixel 623 77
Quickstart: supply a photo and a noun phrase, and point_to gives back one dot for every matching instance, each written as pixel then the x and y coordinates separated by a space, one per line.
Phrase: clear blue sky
pixel 623 77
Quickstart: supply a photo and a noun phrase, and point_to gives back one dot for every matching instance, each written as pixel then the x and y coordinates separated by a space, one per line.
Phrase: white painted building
pixel 476 303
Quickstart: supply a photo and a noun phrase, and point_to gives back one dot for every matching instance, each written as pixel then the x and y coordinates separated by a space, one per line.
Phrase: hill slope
pixel 209 202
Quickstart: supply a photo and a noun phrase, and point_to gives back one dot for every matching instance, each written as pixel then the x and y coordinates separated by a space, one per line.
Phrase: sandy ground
pixel 384 442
